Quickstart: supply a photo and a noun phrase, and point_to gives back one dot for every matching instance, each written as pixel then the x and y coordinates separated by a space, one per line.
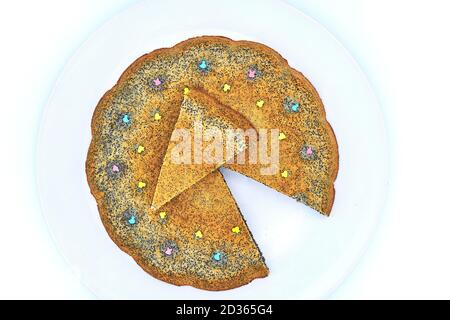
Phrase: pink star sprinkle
pixel 252 73
pixel 168 251
pixel 309 151
pixel 157 82
pixel 115 169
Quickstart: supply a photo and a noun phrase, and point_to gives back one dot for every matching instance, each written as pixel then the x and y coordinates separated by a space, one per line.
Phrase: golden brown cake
pixel 183 168
pixel 179 220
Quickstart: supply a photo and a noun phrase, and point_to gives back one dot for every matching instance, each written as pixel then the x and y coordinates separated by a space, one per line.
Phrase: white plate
pixel 308 255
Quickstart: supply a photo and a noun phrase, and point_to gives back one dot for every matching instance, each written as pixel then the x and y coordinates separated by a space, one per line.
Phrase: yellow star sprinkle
pixel 260 103
pixel 226 87
pixel 140 149
pixel 199 234
pixel 163 215
pixel 157 116
pixel 285 174
pixel 236 230
pixel 142 185
pixel 282 136
pixel 186 91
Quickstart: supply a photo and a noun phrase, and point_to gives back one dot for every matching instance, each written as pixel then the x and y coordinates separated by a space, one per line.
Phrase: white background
pixel 403 47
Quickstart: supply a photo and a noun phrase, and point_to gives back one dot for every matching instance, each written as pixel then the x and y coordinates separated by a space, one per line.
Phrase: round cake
pixel 178 220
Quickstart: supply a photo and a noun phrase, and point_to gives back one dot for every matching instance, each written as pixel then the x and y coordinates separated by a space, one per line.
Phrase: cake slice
pixel 206 135
pixel 200 239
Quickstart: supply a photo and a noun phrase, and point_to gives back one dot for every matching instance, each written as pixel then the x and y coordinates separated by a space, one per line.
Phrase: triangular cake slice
pixel 206 135
pixel 200 239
